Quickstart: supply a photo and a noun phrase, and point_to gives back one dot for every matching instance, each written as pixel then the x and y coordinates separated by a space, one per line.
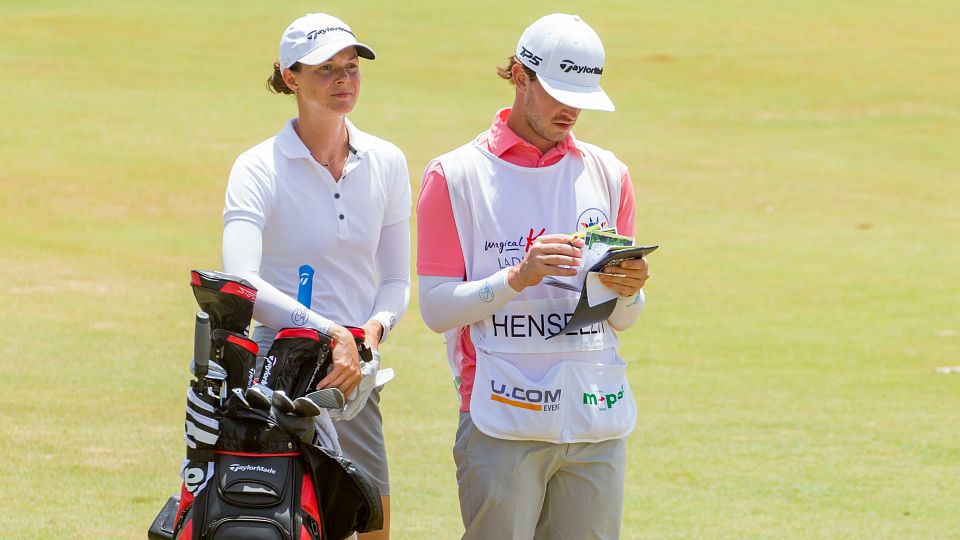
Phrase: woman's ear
pixel 290 79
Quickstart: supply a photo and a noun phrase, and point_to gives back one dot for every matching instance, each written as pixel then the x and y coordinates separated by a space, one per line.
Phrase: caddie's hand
pixel 549 255
pixel 345 371
pixel 635 273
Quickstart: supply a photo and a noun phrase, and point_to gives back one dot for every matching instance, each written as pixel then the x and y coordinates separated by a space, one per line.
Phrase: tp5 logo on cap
pixel 567 56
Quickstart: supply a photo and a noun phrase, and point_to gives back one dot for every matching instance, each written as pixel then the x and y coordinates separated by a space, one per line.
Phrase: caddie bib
pixel 571 387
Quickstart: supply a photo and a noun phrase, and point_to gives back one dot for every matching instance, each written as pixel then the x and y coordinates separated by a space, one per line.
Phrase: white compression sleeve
pixel 242 250
pixel 627 311
pixel 449 302
pixel 393 269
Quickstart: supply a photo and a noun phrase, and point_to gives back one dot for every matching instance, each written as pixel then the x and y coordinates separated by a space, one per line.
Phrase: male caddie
pixel 541 449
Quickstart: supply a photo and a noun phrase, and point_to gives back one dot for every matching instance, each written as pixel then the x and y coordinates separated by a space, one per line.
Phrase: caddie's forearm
pixel 627 311
pixel 242 251
pixel 447 302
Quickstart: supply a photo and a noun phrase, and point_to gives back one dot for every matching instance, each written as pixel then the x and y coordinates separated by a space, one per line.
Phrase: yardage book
pixel 602 248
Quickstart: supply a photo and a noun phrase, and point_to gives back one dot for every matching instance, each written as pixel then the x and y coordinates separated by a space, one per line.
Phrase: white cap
pixel 315 38
pixel 567 56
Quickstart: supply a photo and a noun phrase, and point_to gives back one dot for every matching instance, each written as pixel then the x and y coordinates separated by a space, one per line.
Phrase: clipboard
pixel 584 315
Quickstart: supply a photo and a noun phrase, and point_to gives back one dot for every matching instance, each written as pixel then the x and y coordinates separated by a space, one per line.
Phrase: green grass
pixel 799 163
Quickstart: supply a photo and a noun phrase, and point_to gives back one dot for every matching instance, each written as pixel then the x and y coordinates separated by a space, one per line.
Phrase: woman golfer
pixel 317 219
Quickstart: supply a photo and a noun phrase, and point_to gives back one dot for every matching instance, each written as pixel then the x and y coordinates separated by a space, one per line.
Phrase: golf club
pixel 313 403
pixel 201 347
pixel 259 397
pixel 281 402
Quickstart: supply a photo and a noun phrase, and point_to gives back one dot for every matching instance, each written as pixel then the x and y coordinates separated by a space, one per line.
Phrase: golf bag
pixel 254 473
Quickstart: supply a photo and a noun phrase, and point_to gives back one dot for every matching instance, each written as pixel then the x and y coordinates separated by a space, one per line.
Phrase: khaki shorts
pixel 361 439
pixel 524 490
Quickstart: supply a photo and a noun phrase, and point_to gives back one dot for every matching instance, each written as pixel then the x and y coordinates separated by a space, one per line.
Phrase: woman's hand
pixel 373 332
pixel 345 371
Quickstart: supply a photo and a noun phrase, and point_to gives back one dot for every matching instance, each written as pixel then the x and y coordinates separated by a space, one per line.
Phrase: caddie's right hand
pixel 345 370
pixel 549 255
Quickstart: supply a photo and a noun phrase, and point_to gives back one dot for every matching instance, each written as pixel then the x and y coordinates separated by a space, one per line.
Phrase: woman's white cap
pixel 317 37
pixel 567 56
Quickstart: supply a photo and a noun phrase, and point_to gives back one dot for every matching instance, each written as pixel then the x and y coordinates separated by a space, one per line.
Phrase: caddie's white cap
pixel 567 56
pixel 317 37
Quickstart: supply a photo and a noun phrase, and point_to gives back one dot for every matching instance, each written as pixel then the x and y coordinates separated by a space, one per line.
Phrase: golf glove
pixel 358 398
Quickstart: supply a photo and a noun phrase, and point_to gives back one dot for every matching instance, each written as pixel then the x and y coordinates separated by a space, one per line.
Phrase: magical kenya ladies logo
pixel 592 216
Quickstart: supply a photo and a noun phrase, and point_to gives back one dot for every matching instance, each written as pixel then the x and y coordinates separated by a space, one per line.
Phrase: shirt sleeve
pixel 393 268
pixel 248 192
pixel 627 309
pixel 626 213
pixel 438 245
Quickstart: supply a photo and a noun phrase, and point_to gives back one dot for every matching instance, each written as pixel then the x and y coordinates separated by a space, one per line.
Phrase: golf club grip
pixel 201 345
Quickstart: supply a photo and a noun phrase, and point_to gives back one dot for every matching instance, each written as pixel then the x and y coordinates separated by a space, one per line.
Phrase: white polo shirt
pixel 309 218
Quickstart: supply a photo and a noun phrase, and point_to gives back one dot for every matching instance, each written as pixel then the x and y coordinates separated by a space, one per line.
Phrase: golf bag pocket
pixel 255 497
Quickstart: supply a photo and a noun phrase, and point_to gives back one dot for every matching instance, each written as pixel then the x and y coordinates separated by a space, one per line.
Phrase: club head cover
pixel 297 358
pixel 238 356
pixel 227 299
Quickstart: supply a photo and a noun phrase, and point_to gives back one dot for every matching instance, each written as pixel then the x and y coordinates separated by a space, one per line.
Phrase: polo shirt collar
pixel 292 147
pixel 501 138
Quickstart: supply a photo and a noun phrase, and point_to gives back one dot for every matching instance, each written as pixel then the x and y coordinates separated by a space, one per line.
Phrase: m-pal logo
pixel 531 399
pixel 590 217
pixel 602 400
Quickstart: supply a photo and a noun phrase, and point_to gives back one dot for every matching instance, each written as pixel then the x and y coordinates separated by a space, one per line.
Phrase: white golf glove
pixel 358 398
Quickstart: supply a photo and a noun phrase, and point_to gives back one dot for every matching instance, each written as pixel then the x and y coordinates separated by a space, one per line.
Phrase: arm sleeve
pixel 448 302
pixel 438 245
pixel 242 250
pixel 628 309
pixel 399 196
pixel 393 268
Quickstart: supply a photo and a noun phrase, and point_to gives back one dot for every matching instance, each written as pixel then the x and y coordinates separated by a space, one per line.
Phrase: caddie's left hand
pixel 635 274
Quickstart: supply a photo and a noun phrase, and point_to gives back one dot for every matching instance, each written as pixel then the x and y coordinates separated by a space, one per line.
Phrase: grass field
pixel 799 163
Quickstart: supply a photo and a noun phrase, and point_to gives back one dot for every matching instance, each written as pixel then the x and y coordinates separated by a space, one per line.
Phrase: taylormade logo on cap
pixel 315 38
pixel 567 56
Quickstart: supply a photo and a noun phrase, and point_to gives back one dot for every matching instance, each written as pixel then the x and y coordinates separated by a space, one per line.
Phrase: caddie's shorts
pixel 361 439
pixel 530 489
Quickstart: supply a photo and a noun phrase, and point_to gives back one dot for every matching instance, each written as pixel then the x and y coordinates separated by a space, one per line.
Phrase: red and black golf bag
pixel 255 473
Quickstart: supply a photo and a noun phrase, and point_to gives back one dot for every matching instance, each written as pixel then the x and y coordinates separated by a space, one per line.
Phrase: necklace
pixel 336 156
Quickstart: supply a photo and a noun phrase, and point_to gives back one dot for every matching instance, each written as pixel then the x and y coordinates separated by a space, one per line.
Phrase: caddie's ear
pixel 519 76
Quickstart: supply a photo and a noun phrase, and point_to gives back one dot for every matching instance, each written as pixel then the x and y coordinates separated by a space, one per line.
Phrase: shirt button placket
pixel 341 219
